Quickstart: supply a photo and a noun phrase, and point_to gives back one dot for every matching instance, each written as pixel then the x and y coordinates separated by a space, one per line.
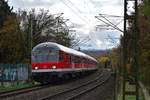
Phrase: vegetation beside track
pixel 14 86
pixel 130 88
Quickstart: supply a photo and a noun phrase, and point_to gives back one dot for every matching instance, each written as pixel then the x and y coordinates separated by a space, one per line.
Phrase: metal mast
pixel 135 35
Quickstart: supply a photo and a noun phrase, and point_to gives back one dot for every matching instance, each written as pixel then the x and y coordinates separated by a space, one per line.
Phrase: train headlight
pixel 36 67
pixel 54 67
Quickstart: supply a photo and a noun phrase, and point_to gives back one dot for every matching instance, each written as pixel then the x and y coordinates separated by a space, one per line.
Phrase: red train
pixel 51 60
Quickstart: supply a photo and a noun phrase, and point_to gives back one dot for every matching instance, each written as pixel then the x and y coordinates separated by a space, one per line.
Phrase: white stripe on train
pixel 63 70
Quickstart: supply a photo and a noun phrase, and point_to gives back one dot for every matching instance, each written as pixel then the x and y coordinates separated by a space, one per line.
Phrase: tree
pixel 44 27
pixel 10 42
pixel 5 10
pixel 144 26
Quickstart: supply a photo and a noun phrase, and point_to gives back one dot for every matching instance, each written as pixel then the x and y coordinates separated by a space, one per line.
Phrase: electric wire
pixel 111 23
pixel 74 12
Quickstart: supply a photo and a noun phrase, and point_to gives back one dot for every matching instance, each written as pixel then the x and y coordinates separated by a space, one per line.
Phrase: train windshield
pixel 45 54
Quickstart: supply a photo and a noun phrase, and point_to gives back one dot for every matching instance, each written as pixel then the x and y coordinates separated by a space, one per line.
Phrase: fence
pixel 14 72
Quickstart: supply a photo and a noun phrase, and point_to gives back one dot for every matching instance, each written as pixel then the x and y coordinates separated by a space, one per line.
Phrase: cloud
pixel 82 14
pixel 33 3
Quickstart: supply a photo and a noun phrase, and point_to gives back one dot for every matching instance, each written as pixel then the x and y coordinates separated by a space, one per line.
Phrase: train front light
pixel 53 67
pixel 36 68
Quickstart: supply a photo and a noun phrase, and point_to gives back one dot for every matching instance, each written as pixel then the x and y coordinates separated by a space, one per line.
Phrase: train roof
pixel 65 49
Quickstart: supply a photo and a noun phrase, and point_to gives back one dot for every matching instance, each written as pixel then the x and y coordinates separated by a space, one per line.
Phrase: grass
pixel 130 97
pixel 10 87
pixel 130 87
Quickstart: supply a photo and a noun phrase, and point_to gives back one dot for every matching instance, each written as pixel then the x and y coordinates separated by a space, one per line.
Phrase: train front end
pixel 45 62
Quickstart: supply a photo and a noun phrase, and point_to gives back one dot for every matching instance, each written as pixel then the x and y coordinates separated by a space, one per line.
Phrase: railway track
pixel 61 94
pixel 13 93
pixel 82 89
pixel 23 90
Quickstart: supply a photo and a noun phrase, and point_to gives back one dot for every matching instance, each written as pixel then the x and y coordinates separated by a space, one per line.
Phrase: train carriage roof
pixel 65 49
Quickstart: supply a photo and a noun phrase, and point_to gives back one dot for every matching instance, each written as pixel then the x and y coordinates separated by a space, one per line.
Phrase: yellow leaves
pixel 9 25
pixel 145 57
pixel 103 59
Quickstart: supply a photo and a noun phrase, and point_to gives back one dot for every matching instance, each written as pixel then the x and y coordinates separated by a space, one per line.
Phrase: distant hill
pixel 95 53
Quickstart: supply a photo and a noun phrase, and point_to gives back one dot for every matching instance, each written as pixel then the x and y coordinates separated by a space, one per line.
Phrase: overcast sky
pixel 82 14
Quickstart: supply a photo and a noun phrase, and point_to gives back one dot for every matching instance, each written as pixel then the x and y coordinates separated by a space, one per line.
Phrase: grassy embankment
pixel 14 86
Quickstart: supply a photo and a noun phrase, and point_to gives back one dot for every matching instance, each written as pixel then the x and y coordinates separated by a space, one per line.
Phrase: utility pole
pixel 31 33
pixel 135 66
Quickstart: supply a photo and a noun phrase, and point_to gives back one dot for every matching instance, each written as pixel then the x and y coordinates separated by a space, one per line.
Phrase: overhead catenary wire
pixel 82 18
pixel 109 24
pixel 112 15
pixel 77 9
pixel 93 39
pixel 74 6
pixel 81 42
pixel 74 12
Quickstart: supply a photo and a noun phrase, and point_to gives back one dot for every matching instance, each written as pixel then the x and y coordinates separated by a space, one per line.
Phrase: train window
pixel 61 57
pixel 67 58
pixel 83 60
pixel 90 62
pixel 45 54
pixel 79 59
pixel 64 55
pixel 86 61
pixel 76 59
pixel 72 59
